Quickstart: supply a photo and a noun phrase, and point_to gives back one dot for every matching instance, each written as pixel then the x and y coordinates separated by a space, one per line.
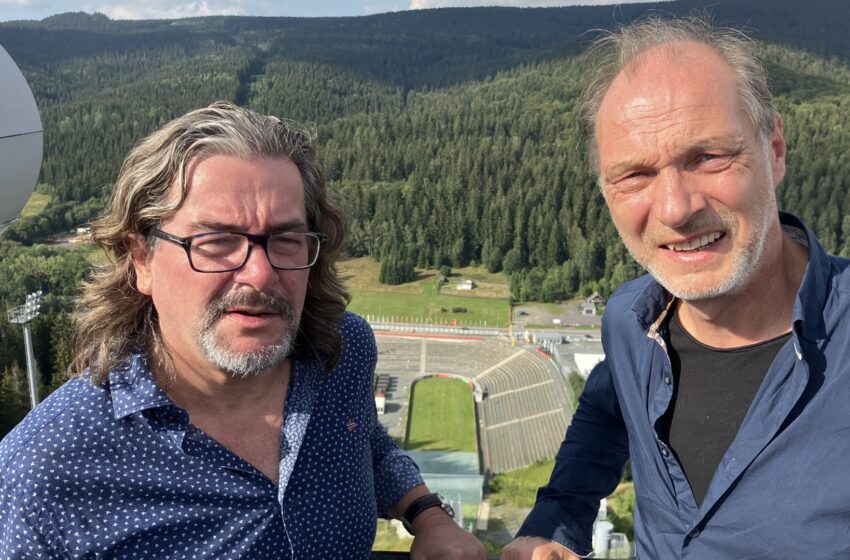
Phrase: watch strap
pixel 421 504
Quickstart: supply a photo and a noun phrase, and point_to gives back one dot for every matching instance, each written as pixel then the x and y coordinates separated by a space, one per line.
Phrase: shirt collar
pixel 133 388
pixel 808 315
pixel 652 305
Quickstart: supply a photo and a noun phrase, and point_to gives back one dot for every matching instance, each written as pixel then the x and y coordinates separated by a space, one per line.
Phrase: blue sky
pixel 157 9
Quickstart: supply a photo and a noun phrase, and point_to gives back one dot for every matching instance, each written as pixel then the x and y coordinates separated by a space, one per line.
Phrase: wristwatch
pixel 421 504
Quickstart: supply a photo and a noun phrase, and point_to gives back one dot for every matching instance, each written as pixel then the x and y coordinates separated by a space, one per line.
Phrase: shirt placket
pixel 783 385
pixel 663 385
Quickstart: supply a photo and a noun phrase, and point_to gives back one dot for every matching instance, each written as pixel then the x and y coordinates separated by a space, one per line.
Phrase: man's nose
pixel 677 198
pixel 257 270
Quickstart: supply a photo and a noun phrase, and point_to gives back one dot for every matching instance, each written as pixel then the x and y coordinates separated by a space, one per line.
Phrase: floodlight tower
pixel 23 315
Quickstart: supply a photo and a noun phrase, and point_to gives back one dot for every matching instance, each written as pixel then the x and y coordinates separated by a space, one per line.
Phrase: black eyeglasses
pixel 225 252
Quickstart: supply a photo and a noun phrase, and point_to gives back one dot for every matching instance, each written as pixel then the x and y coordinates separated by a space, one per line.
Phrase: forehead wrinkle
pixel 641 107
pixel 680 128
pixel 649 117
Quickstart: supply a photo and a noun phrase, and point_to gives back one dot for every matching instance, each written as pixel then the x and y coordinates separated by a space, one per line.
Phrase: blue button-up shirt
pixel 118 471
pixel 782 488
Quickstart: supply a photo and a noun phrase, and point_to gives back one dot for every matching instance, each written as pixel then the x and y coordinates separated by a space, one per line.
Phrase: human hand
pixel 536 548
pixel 438 537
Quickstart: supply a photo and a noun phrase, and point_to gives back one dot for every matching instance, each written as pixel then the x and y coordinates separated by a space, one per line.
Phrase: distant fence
pixel 414 328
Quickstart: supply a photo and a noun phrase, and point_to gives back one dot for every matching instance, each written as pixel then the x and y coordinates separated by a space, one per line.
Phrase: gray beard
pixel 243 364
pixel 744 271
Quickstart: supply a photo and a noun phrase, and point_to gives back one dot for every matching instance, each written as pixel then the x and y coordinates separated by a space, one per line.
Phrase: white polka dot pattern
pixel 117 471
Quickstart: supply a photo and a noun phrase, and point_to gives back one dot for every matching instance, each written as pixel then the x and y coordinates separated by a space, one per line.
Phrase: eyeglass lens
pixel 227 251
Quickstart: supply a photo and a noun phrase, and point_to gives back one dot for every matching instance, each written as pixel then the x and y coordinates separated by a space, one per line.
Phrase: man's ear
pixel 141 255
pixel 777 152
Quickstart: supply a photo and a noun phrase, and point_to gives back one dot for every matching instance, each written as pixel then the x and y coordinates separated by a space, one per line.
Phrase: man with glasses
pixel 223 407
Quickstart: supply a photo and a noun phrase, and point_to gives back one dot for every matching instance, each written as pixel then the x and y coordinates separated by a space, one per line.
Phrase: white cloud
pixel 161 9
pixel 15 2
pixel 382 6
pixel 424 4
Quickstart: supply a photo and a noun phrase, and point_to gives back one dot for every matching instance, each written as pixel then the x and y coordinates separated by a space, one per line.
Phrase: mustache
pixel 249 298
pixel 698 223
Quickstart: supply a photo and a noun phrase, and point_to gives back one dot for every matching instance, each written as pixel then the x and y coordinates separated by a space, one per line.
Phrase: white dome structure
pixel 21 140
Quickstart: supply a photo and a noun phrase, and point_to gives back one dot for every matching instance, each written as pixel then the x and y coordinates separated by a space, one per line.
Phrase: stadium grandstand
pixel 521 400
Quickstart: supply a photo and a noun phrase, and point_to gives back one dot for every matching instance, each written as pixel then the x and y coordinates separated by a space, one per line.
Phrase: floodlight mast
pixel 23 315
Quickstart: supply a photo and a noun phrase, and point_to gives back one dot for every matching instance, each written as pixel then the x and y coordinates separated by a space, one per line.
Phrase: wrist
pixel 431 517
pixel 426 509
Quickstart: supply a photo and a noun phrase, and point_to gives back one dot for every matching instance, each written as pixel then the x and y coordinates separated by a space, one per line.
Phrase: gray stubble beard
pixel 244 364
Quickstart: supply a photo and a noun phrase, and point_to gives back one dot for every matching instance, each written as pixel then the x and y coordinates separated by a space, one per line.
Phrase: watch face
pixel 447 507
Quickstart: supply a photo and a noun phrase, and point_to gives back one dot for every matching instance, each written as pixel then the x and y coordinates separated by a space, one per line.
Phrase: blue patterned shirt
pixel 117 471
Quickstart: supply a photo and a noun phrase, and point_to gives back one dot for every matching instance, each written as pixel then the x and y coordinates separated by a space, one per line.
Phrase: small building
pixel 586 362
pixel 592 304
pixel 465 285
pixel 382 383
pixel 380 401
pixel 588 309
pixel 544 337
pixel 595 299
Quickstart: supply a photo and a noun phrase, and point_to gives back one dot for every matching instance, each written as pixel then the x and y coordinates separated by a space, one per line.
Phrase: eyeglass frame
pixel 261 240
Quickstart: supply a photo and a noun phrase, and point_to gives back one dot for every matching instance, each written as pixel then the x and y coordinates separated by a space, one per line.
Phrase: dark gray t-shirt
pixel 712 391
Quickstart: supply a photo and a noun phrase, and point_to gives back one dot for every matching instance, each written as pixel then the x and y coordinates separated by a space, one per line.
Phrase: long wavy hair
pixel 117 320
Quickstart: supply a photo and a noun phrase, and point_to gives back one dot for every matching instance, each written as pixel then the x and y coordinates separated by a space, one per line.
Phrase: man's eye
pixel 628 183
pixel 712 159
pixel 217 244
pixel 286 245
pixel 634 177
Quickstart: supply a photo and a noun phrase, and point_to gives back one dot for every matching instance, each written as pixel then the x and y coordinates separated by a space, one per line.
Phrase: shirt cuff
pixel 547 520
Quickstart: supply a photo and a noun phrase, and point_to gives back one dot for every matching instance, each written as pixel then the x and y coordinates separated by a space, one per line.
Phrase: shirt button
pixel 668 380
pixel 694 533
pixel 665 452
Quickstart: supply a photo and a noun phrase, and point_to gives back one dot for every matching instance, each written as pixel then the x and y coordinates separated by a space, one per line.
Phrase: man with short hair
pixel 726 378
pixel 224 407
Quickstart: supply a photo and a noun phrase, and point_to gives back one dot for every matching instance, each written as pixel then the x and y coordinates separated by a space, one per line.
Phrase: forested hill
pixel 452 132
pixel 421 47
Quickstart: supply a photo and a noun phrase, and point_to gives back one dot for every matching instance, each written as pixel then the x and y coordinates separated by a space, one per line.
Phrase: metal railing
pixel 398 556
pixel 406 556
